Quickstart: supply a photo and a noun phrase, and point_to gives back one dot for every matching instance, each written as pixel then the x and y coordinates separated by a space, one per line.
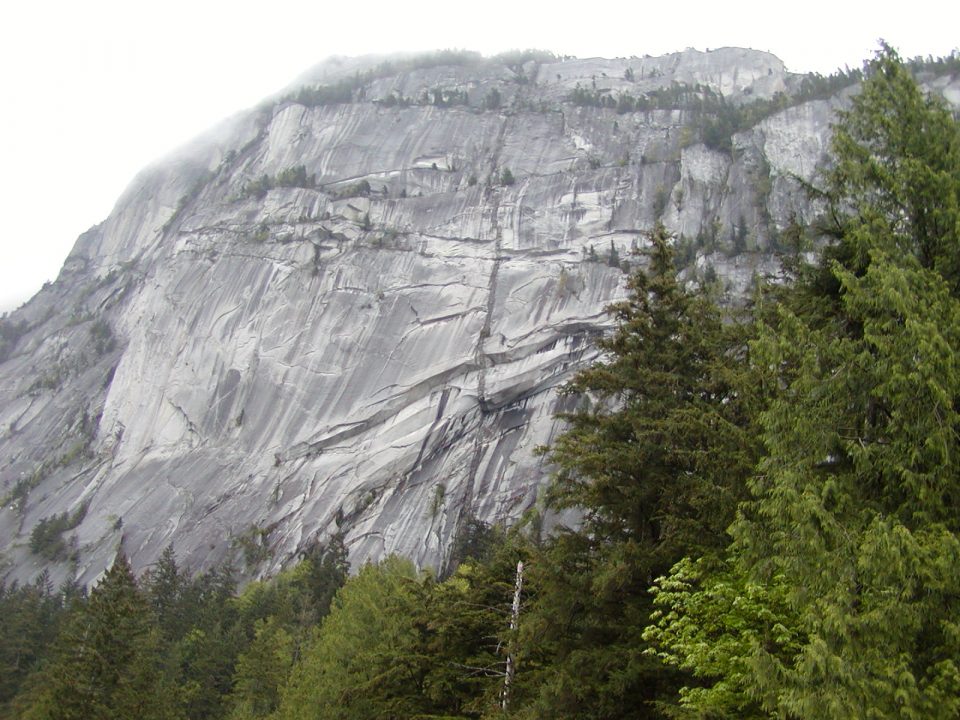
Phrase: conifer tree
pixel 363 661
pixel 893 185
pixel 107 661
pixel 164 587
pixel 30 617
pixel 851 543
pixel 262 670
pixel 279 616
pixel 656 461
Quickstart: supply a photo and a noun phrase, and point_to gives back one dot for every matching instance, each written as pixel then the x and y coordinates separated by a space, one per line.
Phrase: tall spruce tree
pixel 850 547
pixel 30 617
pixel 107 663
pixel 164 586
pixel 656 460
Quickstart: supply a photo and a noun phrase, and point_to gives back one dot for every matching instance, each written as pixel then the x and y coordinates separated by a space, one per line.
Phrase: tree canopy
pixel 849 543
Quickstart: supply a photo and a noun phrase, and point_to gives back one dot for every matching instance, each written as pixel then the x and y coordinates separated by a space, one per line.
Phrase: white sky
pixel 91 91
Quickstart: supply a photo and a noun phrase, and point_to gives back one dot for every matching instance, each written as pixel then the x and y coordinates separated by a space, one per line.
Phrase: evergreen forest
pixel 768 498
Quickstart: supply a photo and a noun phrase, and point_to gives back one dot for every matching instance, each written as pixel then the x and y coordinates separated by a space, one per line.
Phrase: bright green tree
pixel 398 644
pixel 851 543
pixel 278 616
pixel 362 662
pixel 262 670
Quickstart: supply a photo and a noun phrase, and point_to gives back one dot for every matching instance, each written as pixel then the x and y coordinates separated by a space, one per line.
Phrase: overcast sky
pixel 92 91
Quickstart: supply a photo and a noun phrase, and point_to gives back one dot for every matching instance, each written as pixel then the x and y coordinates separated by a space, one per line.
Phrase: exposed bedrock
pixel 247 356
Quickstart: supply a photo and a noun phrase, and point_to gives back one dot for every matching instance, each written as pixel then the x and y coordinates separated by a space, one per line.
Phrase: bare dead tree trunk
pixel 514 617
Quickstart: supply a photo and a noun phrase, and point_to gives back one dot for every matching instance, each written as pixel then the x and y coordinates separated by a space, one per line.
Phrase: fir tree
pixel 164 587
pixel 656 465
pixel 30 617
pixel 851 542
pixel 613 259
pixel 107 661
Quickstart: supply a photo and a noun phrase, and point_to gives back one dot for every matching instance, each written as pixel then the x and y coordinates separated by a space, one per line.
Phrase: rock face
pixel 249 355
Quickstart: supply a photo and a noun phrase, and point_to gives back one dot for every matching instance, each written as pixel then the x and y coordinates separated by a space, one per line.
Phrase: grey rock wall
pixel 242 374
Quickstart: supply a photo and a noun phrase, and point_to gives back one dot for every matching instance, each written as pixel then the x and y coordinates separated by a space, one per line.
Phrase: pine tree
pixel 207 653
pixel 30 617
pixel 164 588
pixel 613 259
pixel 107 663
pixel 656 461
pixel 851 543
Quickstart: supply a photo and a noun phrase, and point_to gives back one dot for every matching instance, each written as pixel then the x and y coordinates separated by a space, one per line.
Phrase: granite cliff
pixel 352 307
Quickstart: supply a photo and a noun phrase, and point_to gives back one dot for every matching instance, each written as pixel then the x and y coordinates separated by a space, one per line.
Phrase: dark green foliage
pixel 164 586
pixel 715 118
pixel 613 257
pixel 259 187
pixel 710 275
pixel 102 335
pixel 584 97
pixel 399 645
pixel 739 235
pixel 30 617
pixel 296 176
pixel 354 88
pixel 317 95
pixel 898 154
pixel 515 59
pixel 660 198
pixel 361 188
pixel 205 655
pixel 105 665
pixel 393 100
pixel 442 97
pixel 789 487
pixel 21 489
pixel 475 541
pixel 657 463
pixel 506 177
pixel 46 538
pixel 254 544
pixel 181 647
pixel 262 234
